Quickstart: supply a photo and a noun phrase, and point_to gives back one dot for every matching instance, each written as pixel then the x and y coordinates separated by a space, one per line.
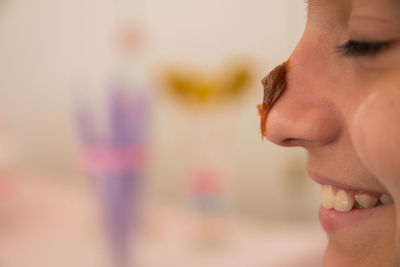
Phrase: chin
pixel 383 258
pixel 368 243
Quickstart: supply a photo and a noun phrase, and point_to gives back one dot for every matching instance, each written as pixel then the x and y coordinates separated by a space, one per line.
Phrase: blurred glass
pixel 208 103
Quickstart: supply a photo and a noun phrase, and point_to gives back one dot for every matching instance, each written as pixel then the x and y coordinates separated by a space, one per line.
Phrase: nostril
pixel 290 142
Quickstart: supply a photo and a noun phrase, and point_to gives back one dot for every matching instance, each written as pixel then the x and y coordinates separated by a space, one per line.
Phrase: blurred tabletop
pixel 50 221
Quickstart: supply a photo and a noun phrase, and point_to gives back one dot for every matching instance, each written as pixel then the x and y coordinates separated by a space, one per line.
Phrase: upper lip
pixel 320 179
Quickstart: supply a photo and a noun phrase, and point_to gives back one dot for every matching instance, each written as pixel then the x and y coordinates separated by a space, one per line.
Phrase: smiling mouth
pixel 345 200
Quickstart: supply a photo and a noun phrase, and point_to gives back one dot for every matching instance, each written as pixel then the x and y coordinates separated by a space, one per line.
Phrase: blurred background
pixel 129 136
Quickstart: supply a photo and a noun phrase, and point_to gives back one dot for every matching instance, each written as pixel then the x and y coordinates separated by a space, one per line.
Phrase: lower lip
pixel 332 220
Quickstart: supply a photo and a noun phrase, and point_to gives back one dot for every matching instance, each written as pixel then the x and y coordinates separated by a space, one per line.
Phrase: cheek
pixel 375 133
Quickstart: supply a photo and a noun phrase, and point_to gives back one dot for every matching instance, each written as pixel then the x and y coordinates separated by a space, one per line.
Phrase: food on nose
pixel 274 84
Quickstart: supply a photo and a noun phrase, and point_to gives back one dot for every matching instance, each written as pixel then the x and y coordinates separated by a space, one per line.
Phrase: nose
pixel 305 114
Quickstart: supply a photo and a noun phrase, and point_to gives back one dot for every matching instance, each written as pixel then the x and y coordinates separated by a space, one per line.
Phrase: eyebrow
pixel 310 4
pixel 306 2
pixel 315 3
pixel 375 19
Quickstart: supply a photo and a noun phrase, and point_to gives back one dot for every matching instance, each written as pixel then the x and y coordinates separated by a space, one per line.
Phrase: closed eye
pixel 359 48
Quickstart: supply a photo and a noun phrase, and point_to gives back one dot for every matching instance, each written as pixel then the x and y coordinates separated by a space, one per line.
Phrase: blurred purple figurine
pixel 117 161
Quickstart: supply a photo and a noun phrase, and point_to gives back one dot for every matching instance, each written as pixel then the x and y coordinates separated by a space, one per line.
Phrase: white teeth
pixel 366 201
pixel 327 196
pixel 386 199
pixel 343 201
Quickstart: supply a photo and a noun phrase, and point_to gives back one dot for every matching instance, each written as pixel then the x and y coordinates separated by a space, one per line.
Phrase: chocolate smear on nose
pixel 274 84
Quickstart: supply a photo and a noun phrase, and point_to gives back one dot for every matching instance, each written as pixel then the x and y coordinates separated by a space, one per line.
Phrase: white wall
pixel 44 45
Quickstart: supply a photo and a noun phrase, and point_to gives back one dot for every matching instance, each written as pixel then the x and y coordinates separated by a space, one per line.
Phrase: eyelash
pixel 357 49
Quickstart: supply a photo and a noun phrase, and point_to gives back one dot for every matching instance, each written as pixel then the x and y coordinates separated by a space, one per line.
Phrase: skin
pixel 376 133
pixel 344 111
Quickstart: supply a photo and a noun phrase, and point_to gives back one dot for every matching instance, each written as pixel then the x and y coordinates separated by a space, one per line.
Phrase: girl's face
pixel 342 105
